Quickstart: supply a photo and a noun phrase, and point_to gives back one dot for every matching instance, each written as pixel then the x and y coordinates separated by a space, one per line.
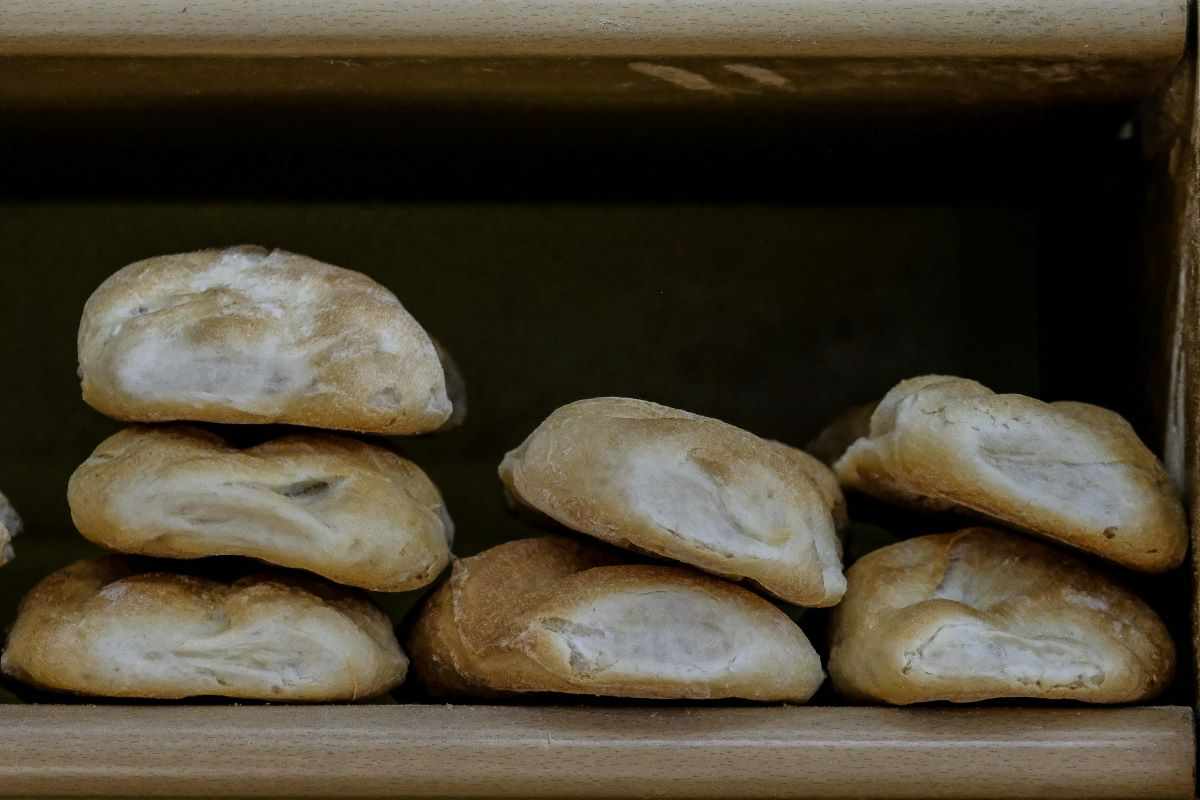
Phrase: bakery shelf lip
pixel 430 750
pixel 1093 29
pixel 870 54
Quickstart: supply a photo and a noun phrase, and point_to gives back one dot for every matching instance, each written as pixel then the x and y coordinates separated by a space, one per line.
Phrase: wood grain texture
pixel 1095 29
pixel 595 752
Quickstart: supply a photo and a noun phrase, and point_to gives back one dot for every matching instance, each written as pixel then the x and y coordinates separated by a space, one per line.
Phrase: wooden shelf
pixel 1095 29
pixel 484 751
pixel 778 51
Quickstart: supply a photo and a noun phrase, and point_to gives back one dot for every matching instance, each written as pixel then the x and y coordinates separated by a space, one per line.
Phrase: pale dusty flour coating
pixel 10 526
pixel 256 336
pixel 101 628
pixel 982 614
pixel 1069 471
pixel 353 512
pixel 558 615
pixel 688 488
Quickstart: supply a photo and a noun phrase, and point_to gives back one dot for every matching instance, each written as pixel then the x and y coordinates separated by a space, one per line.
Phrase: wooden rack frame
pixel 67 54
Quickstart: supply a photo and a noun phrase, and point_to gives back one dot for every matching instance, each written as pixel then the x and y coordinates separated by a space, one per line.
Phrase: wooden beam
pixel 483 751
pixel 876 54
pixel 1095 29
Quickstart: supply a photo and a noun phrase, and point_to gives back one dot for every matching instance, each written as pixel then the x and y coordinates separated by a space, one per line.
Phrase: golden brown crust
pixel 981 614
pixel 688 488
pixel 246 335
pixel 558 615
pixel 104 627
pixel 1069 471
pixel 352 512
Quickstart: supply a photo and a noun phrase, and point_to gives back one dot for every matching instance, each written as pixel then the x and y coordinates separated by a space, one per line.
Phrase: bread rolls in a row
pixel 686 528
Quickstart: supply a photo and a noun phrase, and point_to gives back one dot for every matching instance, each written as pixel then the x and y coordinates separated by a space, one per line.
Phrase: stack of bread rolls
pixel 985 612
pixel 719 505
pixel 243 335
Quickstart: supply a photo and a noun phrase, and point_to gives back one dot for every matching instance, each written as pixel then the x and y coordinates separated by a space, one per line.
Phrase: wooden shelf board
pixel 490 751
pixel 782 52
pixel 1095 29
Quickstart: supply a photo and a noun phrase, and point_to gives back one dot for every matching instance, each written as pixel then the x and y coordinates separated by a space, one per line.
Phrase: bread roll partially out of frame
pixel 689 488
pixel 559 615
pixel 352 512
pixel 10 526
pixel 1072 472
pixel 247 335
pixel 100 627
pixel 982 614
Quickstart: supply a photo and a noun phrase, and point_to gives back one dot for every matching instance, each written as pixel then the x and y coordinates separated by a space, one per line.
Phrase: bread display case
pixel 764 213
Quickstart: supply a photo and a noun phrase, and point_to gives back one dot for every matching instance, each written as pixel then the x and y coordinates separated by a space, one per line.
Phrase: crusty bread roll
pixel 688 488
pixel 982 614
pixel 1070 471
pixel 102 627
pixel 559 615
pixel 250 335
pixel 10 526
pixel 353 512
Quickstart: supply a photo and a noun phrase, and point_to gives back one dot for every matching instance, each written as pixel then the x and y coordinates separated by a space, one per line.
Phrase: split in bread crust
pixel 10 526
pixel 247 335
pixel 982 614
pixel 102 627
pixel 688 488
pixel 1072 472
pixel 350 511
pixel 559 615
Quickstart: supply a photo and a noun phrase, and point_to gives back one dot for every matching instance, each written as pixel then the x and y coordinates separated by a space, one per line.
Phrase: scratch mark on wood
pixel 762 75
pixel 684 79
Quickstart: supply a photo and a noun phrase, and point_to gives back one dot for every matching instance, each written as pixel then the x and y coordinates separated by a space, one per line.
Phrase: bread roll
pixel 688 488
pixel 102 627
pixel 353 512
pixel 558 615
pixel 982 614
pixel 10 526
pixel 250 335
pixel 1069 471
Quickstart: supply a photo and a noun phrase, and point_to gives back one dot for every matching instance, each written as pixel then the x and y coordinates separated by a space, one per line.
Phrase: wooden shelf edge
pixel 490 751
pixel 1094 29
pixel 870 53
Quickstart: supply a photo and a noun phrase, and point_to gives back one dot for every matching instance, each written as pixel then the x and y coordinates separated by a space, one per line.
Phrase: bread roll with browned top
pixel 688 488
pixel 982 614
pixel 1072 472
pixel 10 526
pixel 559 615
pixel 103 627
pixel 353 512
pixel 247 335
